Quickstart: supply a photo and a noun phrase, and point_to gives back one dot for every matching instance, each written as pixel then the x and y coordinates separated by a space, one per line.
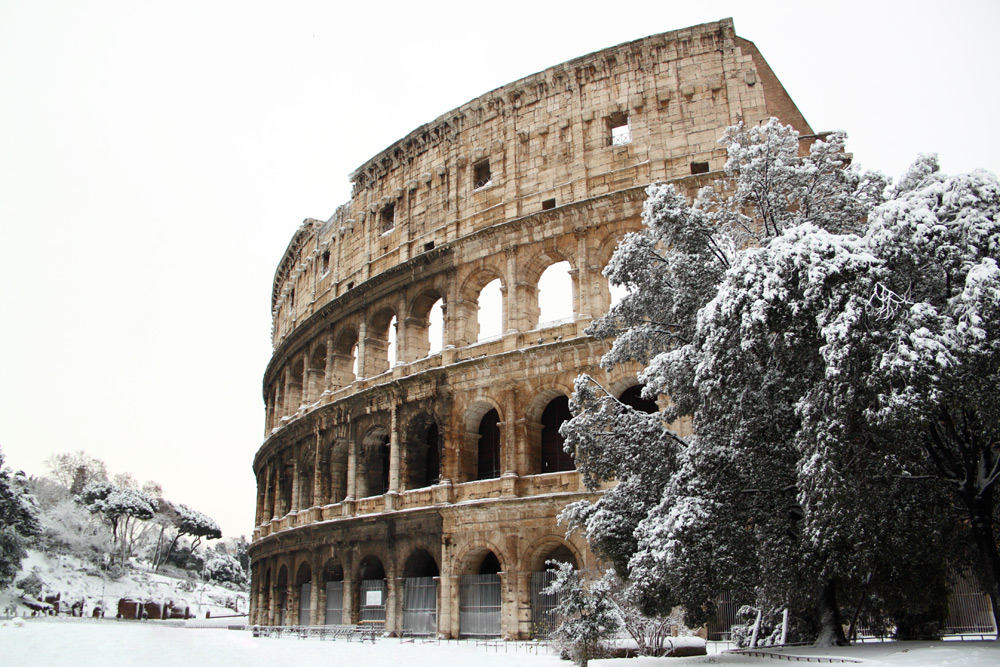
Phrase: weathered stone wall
pixel 378 467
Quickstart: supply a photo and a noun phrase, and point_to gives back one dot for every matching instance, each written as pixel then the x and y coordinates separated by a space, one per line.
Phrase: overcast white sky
pixel 155 159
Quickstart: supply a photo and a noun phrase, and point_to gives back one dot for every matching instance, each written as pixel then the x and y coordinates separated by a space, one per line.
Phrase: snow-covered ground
pixel 74 579
pixel 89 643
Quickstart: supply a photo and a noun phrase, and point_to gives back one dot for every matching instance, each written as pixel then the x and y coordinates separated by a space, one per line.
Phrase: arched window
pixel 632 397
pixel 554 457
pixel 489 446
pixel 435 328
pixel 490 311
pixel 391 356
pixel 555 294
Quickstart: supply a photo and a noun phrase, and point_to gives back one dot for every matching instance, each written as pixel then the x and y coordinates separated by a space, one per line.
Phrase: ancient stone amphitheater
pixel 412 470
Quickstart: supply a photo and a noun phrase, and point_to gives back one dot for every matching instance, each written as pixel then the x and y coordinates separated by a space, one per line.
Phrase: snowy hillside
pixel 76 581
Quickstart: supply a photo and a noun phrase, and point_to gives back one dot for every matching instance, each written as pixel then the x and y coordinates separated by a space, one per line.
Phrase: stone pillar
pixel 352 469
pixel 314 597
pixel 288 409
pixel 362 350
pixel 328 373
pixel 317 470
pixel 292 610
pixel 403 352
pixel 512 320
pixel 295 484
pixel 350 594
pixel 453 618
pixel 522 594
pixel 509 443
pixel 276 499
pixel 393 592
pixel 394 450
pixel 305 397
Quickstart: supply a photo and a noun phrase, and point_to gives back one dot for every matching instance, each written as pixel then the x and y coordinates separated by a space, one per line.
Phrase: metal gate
pixel 420 605
pixel 282 605
pixel 373 594
pixel 334 603
pixel 543 621
pixel 969 608
pixel 479 605
pixel 720 628
pixel 305 603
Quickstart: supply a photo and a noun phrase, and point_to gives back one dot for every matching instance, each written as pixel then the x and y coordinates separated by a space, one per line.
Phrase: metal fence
pixel 479 605
pixel 720 628
pixel 420 605
pixel 282 605
pixel 373 595
pixel 334 603
pixel 969 608
pixel 305 603
pixel 543 620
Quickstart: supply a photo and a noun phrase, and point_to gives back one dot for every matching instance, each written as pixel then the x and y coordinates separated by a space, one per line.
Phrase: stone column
pixel 328 373
pixel 295 484
pixel 314 595
pixel 350 594
pixel 276 499
pixel 403 352
pixel 522 594
pixel 362 349
pixel 318 501
pixel 352 468
pixel 394 450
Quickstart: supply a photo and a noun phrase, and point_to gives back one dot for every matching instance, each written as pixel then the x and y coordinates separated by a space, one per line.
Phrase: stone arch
pixel 632 397
pixel 467 457
pixel 373 464
pixel 283 478
pixel 315 373
pixel 531 274
pixel 333 471
pixel 305 471
pixel 606 295
pixel 552 547
pixel 294 392
pixel 471 559
pixel 377 339
pixel 345 357
pixel 418 325
pixel 333 581
pixel 480 590
pixel 422 452
pixel 420 563
pixel 545 413
pixel 419 606
pixel 468 323
pixel 303 594
pixel 281 596
pixel 372 589
pixel 264 613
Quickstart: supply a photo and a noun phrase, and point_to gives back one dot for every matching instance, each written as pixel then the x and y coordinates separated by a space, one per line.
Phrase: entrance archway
pixel 480 603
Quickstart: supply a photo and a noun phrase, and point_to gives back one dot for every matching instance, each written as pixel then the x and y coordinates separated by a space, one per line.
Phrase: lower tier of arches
pixel 454 571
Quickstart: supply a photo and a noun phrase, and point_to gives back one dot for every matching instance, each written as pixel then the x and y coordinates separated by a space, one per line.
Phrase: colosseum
pixel 412 471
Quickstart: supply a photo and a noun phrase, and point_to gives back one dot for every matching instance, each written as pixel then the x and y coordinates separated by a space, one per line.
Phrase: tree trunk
pixel 831 630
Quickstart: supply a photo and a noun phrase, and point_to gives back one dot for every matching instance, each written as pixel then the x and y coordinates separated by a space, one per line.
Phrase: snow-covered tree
pixel 18 521
pixel 779 314
pixel 586 613
pixel 224 568
pixel 123 509
pixel 183 520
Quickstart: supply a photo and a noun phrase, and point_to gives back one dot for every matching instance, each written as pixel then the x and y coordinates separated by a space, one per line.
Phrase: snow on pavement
pixel 86 643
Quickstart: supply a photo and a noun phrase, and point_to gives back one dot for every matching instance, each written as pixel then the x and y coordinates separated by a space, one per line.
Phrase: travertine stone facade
pixel 437 476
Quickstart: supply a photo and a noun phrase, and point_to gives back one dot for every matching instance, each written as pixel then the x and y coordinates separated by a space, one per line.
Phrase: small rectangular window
pixel 429 246
pixel 548 204
pixel 481 175
pixel 388 218
pixel 619 129
pixel 699 167
pixel 325 264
